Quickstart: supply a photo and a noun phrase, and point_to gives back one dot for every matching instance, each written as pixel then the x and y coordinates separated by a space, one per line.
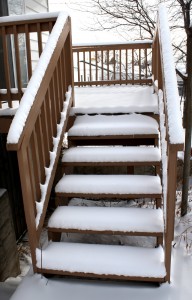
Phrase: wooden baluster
pixel 96 65
pixel 36 193
pixel 39 38
pixel 64 70
pixel 53 106
pixel 140 64
pixel 35 160
pixel 102 71
pixel 49 117
pixel 78 67
pixel 114 65
pixel 84 66
pixel 133 75
pixel 39 137
pixel 6 66
pixel 120 61
pixel 28 50
pixel 17 58
pixel 126 64
pixel 146 64
pixel 56 101
pixel 90 69
pixel 46 144
pixel 107 64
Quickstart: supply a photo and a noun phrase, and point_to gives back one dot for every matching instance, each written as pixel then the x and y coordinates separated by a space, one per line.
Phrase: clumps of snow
pixel 100 125
pixel 99 219
pixel 28 98
pixel 48 171
pixel 109 184
pixel 115 99
pixel 176 132
pixel 112 154
pixel 27 17
pixel 103 259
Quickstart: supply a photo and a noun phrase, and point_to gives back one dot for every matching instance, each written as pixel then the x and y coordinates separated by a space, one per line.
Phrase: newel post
pixel 171 200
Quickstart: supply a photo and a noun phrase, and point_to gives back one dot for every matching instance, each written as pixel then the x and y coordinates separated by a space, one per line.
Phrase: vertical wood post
pixel 170 212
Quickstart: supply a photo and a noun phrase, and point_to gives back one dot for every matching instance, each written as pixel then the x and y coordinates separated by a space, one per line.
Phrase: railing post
pixel 28 202
pixel 68 56
pixel 170 211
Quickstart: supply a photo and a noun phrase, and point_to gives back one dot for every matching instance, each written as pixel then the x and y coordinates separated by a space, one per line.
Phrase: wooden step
pixel 111 156
pixel 118 126
pixel 107 220
pixel 109 186
pixel 102 261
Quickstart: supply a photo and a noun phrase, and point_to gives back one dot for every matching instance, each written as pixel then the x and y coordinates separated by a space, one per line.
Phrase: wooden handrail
pixel 172 138
pixel 43 115
pixel 120 63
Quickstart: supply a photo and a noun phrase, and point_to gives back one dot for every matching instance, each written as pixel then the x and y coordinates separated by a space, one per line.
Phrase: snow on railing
pixel 176 133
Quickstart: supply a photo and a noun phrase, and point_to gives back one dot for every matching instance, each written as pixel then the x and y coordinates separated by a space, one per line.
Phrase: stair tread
pixel 109 184
pixel 100 125
pixel 112 154
pixel 122 219
pixel 102 259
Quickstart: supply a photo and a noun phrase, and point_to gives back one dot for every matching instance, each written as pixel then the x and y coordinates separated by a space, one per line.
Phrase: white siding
pixel 31 7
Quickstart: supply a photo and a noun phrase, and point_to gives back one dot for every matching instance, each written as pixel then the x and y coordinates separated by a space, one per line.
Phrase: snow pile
pixel 109 184
pixel 48 171
pixel 103 259
pixel 115 99
pixel 176 132
pixel 100 219
pixel 100 125
pixel 28 98
pixel 112 154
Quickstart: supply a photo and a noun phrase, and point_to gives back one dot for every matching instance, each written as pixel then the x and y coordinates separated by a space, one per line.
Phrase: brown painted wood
pixel 6 65
pixel 91 275
pixel 111 164
pixel 108 196
pixel 17 58
pixel 128 233
pixel 5 123
pixel 110 82
pixel 116 46
pixel 28 51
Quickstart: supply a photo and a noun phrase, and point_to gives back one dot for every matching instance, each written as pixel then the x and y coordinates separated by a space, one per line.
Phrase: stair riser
pixel 110 277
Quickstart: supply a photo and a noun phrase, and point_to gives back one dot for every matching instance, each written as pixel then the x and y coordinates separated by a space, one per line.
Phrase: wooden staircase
pixel 97 260
pixel 122 138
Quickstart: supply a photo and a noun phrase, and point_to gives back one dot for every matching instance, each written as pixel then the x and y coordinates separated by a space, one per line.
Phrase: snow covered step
pixel 110 220
pixel 118 125
pixel 118 186
pixel 112 155
pixel 102 261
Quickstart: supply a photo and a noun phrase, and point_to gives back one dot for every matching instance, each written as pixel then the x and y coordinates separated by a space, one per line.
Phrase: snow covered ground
pixel 39 288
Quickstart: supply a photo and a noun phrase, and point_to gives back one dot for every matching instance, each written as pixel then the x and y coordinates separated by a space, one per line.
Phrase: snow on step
pixel 107 219
pixel 109 184
pixel 112 154
pixel 113 125
pixel 102 259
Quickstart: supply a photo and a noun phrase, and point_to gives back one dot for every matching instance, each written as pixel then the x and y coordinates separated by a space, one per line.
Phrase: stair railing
pixel 119 63
pixel 38 127
pixel 172 137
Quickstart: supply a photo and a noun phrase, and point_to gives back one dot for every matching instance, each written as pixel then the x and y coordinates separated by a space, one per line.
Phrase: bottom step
pixel 102 261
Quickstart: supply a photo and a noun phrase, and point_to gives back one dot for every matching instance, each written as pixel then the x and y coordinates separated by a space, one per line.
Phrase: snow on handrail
pixel 27 17
pixel 176 132
pixel 18 123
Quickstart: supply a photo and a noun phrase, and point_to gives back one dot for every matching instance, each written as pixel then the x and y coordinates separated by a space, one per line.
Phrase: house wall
pixel 36 6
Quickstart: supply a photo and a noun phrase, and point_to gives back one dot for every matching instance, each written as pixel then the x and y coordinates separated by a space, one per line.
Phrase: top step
pixel 122 125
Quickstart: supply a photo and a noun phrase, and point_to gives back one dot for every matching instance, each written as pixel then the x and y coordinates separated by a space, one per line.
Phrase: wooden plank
pixel 28 50
pixel 111 164
pixel 127 233
pixel 39 39
pixel 17 58
pixel 6 66
pixel 109 196
pixel 117 46
pixel 112 82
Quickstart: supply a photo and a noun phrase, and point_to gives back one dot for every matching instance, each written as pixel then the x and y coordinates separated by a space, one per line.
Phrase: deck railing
pixel 172 137
pixel 123 63
pixel 37 130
